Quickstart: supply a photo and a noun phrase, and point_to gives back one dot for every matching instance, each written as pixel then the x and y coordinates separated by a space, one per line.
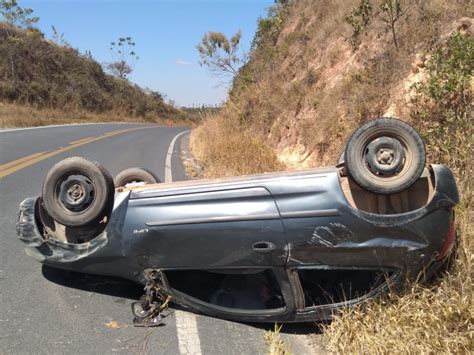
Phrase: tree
pixel 15 15
pixel 124 57
pixel 221 55
pixel 391 13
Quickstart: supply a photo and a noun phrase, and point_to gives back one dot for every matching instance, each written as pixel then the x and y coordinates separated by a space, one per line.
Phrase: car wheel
pixel 385 156
pixel 78 192
pixel 135 176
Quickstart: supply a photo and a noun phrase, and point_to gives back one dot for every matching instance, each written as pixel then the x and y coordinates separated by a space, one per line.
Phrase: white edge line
pixel 187 331
pixel 168 173
pixel 186 324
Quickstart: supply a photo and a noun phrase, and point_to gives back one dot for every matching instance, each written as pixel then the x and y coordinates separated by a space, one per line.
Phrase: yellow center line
pixel 81 140
pixel 13 166
pixel 21 160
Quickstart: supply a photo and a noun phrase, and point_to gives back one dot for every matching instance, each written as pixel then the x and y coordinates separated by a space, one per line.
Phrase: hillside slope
pixel 37 74
pixel 313 86
pixel 319 69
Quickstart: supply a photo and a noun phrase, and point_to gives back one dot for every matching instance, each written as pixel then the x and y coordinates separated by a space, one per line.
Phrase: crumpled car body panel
pixel 293 224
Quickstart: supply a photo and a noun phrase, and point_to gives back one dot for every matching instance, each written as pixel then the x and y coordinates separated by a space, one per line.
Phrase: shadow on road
pixel 293 328
pixel 107 285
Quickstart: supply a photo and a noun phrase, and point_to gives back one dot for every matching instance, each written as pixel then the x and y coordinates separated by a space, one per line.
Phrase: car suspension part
pixel 153 305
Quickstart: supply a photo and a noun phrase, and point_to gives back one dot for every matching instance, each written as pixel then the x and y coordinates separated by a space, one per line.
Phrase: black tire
pixel 385 156
pixel 132 175
pixel 78 192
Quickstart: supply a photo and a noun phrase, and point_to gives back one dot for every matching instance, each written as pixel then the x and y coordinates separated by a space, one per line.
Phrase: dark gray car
pixel 284 247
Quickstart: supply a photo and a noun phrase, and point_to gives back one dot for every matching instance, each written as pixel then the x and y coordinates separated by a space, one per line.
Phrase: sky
pixel 166 33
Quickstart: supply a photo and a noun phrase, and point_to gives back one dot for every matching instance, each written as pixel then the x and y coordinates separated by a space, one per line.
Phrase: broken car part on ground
pixel 276 247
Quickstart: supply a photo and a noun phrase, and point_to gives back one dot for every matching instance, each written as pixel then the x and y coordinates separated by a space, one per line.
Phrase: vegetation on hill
pixel 44 75
pixel 321 68
pixel 47 81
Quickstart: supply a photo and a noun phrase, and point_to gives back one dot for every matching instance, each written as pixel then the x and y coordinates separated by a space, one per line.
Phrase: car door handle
pixel 263 247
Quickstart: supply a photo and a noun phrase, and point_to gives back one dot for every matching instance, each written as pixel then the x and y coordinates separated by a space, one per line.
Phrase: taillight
pixel 448 243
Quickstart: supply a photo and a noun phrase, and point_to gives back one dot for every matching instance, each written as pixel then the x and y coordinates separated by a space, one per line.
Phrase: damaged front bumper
pixel 102 255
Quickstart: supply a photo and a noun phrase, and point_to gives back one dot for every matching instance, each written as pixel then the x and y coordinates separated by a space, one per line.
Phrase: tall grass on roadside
pixel 224 149
pixel 12 115
pixel 276 346
pixel 436 318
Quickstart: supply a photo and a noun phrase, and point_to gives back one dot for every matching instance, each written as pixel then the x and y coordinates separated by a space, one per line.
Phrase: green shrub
pixel 443 104
pixel 359 18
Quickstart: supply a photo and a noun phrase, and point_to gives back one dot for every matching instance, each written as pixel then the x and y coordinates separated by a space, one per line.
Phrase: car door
pixel 238 227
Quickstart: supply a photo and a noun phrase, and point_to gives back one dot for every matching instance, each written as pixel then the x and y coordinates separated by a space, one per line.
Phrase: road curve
pixel 43 310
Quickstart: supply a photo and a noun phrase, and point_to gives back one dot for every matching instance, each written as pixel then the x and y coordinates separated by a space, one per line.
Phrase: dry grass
pixel 427 320
pixel 224 149
pixel 276 346
pixel 12 115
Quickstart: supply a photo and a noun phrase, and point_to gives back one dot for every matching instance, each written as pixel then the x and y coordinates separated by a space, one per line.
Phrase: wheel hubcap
pixel 385 156
pixel 76 192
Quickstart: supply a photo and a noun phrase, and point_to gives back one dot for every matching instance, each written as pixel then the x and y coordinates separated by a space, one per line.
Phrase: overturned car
pixel 286 247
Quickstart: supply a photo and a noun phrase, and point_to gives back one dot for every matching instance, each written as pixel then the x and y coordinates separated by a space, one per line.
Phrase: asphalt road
pixel 44 310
